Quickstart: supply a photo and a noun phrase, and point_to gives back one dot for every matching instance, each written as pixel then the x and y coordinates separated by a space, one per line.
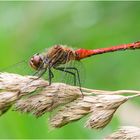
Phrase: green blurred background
pixel 28 27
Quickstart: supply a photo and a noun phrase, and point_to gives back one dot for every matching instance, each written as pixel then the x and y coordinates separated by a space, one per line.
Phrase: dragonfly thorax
pixel 54 57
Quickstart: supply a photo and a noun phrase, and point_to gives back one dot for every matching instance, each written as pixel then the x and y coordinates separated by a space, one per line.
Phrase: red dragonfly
pixel 60 54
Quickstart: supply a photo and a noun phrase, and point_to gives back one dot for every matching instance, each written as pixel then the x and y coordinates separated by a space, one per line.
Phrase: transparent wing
pixel 21 67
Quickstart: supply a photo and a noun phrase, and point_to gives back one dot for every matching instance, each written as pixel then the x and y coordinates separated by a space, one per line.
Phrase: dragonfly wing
pixel 21 67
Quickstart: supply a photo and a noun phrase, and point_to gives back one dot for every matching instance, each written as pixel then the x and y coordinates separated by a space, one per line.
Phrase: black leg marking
pixel 78 76
pixel 64 70
pixel 37 77
pixel 35 73
pixel 50 76
pixel 42 73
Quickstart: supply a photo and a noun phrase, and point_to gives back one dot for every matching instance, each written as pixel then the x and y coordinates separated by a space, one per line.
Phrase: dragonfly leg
pixel 35 73
pixel 42 73
pixel 78 77
pixel 64 70
pixel 77 71
pixel 37 77
pixel 39 69
pixel 51 75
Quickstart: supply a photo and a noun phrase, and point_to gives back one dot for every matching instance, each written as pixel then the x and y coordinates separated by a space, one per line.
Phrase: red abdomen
pixel 84 53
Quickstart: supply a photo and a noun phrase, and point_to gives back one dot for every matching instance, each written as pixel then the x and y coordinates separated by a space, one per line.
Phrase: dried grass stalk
pixel 66 100
pixel 6 100
pixel 16 82
pixel 104 109
pixel 126 132
pixel 100 107
pixel 49 98
pixel 14 86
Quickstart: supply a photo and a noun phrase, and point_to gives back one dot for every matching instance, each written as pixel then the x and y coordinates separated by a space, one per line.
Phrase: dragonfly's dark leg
pixel 50 75
pixel 35 73
pixel 71 68
pixel 78 76
pixel 64 70
pixel 42 73
pixel 38 76
pixel 77 71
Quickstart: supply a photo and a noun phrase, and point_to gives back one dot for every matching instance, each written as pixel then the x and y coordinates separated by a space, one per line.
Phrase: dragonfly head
pixel 36 61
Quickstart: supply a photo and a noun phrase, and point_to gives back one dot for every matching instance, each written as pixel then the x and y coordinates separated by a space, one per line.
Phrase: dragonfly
pixel 58 55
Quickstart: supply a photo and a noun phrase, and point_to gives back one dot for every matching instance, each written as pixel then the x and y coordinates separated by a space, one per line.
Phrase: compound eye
pixel 35 61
